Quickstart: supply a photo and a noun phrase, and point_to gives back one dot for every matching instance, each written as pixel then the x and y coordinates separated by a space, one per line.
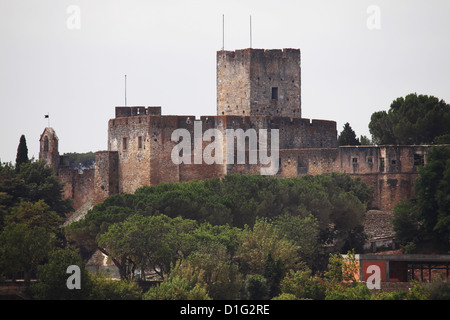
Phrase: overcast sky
pixel 69 59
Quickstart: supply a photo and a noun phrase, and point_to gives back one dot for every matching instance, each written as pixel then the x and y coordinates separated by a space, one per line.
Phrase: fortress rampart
pixel 256 90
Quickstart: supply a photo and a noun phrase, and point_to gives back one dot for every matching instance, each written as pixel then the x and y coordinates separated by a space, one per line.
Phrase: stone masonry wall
pixel 391 171
pixel 144 146
pixel 78 186
pixel 140 150
pixel 233 82
pixel 130 138
pixel 259 82
pixel 106 177
pixel 279 69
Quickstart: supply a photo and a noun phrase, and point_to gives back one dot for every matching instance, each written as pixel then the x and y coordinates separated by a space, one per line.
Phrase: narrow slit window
pixel 274 93
pixel 124 143
pixel 139 142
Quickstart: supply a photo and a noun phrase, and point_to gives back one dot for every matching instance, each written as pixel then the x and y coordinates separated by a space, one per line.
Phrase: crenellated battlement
pixel 136 111
pixel 294 132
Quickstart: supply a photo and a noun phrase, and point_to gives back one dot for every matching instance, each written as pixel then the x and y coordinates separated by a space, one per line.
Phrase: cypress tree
pixel 22 152
pixel 348 137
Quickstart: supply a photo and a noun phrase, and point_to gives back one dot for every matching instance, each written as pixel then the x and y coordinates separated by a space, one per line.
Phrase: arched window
pixel 45 144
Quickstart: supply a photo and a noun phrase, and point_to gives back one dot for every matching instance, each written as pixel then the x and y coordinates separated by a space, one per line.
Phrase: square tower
pixel 259 82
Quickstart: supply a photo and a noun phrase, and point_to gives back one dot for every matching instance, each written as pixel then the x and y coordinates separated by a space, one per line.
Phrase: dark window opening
pixel 381 164
pixel 419 159
pixel 274 93
pixel 369 160
pixel 355 160
pixel 124 144
pixel 302 166
pixel 393 161
pixel 45 144
pixel 140 142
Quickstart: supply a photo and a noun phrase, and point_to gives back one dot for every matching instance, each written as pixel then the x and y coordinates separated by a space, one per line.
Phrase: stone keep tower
pixel 259 82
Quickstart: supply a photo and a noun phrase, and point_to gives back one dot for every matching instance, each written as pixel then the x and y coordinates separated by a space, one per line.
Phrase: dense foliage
pixel 34 181
pixel 32 209
pixel 240 237
pixel 414 119
pixel 425 219
pixel 347 137
pixel 329 208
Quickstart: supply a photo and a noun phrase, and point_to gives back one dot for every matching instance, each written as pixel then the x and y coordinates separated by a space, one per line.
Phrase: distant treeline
pixel 81 160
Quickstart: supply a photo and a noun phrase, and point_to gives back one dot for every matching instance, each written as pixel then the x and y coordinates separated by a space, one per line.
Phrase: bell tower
pixel 48 150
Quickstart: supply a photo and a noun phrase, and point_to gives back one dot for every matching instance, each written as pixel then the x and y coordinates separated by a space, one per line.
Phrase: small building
pixel 402 267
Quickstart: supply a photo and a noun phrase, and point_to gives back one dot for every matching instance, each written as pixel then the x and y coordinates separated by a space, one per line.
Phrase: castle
pixel 257 90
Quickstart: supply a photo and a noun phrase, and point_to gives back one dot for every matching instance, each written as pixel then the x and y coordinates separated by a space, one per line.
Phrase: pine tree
pixel 22 152
pixel 348 137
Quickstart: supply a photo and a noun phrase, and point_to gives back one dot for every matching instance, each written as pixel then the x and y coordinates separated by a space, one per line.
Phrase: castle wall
pixel 392 188
pixel 147 157
pixel 294 133
pixel 140 153
pixel 150 162
pixel 106 177
pixel 78 186
pixel 130 138
pixel 390 170
pixel 162 168
pixel 83 189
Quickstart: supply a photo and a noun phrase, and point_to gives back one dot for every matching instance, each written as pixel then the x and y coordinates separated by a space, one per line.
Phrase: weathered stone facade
pixel 144 143
pixel 78 185
pixel 140 141
pixel 259 82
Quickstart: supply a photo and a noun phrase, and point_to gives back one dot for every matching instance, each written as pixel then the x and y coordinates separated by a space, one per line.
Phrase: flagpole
pixel 250 32
pixel 223 32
